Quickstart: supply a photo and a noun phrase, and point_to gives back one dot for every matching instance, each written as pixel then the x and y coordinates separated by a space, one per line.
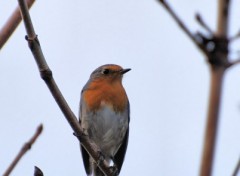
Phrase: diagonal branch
pixel 27 146
pixel 203 24
pixel 182 25
pixel 12 24
pixel 237 169
pixel 177 19
pixel 235 37
pixel 230 64
pixel 47 76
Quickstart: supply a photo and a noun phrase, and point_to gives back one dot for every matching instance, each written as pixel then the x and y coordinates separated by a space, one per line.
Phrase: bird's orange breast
pixel 103 92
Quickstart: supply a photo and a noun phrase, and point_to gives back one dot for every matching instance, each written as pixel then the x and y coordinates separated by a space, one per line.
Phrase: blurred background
pixel 167 87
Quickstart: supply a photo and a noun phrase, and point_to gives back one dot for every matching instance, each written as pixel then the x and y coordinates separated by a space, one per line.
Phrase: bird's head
pixel 109 72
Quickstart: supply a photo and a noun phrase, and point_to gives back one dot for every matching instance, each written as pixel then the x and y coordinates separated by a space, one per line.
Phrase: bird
pixel 104 115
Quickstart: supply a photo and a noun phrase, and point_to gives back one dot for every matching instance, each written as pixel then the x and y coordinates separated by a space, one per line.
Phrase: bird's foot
pixel 80 135
pixel 101 158
pixel 114 170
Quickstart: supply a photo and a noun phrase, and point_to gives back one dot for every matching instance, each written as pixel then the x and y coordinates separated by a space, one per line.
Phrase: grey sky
pixel 167 87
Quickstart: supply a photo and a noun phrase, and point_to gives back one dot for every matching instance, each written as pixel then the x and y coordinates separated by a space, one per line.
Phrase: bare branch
pixel 215 47
pixel 230 64
pixel 177 19
pixel 182 25
pixel 203 24
pixel 237 169
pixel 217 71
pixel 37 171
pixel 47 76
pixel 12 24
pixel 223 15
pixel 27 146
pixel 235 37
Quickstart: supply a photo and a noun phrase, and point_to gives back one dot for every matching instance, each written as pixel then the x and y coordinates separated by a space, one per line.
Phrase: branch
pixel 203 24
pixel 237 168
pixel 216 50
pixel 46 75
pixel 27 146
pixel 182 25
pixel 235 37
pixel 219 54
pixel 223 15
pixel 230 64
pixel 12 24
pixel 212 121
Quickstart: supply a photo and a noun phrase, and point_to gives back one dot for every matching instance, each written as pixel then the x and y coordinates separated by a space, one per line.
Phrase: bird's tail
pixel 97 171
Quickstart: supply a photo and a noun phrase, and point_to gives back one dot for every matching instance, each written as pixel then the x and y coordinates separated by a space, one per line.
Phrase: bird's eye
pixel 105 71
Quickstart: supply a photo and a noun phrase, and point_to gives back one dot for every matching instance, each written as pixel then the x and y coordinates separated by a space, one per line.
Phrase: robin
pixel 104 116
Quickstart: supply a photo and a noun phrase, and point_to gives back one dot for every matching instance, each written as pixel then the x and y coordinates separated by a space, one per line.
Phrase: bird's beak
pixel 123 71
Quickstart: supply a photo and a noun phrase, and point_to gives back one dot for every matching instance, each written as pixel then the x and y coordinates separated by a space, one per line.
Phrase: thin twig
pixel 237 169
pixel 46 75
pixel 235 37
pixel 12 24
pixel 203 24
pixel 181 24
pixel 232 63
pixel 27 146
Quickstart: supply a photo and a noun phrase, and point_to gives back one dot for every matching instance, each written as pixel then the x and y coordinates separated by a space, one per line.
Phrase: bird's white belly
pixel 107 128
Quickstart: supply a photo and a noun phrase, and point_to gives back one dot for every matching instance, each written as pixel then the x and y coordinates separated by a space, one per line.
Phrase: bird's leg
pixel 101 158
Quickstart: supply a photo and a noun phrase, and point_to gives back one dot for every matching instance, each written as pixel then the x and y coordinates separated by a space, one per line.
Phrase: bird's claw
pixel 114 170
pixel 80 134
pixel 101 158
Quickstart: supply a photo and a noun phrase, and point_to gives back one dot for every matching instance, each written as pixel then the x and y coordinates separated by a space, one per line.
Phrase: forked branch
pixel 215 47
pixel 27 146
pixel 181 24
